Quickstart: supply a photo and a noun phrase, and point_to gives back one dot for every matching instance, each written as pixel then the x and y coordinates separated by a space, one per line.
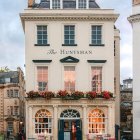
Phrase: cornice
pixel 67 17
pixel 134 18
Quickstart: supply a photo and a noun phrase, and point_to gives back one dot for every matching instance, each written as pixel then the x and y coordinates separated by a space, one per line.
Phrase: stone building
pixel 12 91
pixel 72 69
pixel 134 19
pixel 126 109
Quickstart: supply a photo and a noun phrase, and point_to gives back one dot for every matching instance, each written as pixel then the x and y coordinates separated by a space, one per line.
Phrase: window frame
pixel 36 35
pixel 102 35
pixel 63 74
pixel 105 118
pixel 82 4
pixel 55 5
pixel 103 74
pixel 50 117
pixel 35 74
pixel 101 80
pixel 63 34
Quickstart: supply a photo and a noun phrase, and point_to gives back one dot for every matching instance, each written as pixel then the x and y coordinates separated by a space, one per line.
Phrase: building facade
pixel 134 19
pixel 72 58
pixel 12 102
pixel 126 109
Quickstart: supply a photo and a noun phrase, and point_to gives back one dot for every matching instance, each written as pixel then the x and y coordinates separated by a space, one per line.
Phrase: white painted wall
pixel 55 34
pixel 136 80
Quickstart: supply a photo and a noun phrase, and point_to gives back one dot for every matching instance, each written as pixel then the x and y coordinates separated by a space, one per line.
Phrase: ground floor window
pixel 97 122
pixel 10 127
pixel 43 121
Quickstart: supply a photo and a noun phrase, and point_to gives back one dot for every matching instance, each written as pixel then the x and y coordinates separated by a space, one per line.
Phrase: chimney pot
pixel 30 3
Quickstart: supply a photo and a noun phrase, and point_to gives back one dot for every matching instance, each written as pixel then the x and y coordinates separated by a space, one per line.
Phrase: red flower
pixel 62 93
pixel 91 94
pixel 106 94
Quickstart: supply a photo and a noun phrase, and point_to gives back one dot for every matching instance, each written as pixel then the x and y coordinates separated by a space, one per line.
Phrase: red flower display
pixel 77 94
pixel 73 95
pixel 106 94
pixel 62 93
pixel 46 94
pixel 91 94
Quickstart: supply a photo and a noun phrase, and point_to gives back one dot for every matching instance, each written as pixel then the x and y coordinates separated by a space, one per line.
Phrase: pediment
pixel 69 59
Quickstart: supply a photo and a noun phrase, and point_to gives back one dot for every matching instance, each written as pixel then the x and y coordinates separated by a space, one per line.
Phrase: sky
pixel 12 53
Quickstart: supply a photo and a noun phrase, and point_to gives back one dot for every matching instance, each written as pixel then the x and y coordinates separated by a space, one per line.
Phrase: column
pixel 84 122
pixel 29 123
pixel 55 123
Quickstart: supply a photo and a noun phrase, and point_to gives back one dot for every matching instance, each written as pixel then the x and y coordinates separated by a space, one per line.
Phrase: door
pixel 70 130
pixel 78 130
pixel 61 130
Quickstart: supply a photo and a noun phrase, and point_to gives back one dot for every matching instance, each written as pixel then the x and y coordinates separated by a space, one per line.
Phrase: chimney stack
pixel 30 3
pixel 135 2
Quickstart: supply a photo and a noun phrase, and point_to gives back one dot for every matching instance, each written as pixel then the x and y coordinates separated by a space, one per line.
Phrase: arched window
pixel 43 121
pixel 97 121
pixel 70 113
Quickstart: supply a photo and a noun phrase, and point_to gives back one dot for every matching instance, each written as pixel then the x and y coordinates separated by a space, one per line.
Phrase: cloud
pixel 12 36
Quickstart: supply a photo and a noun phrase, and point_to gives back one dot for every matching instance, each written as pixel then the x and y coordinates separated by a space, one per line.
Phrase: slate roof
pixel 13 75
pixel 67 4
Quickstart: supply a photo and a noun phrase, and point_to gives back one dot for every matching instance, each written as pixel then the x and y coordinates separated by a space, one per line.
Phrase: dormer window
pixel 82 4
pixel 55 4
pixel 69 4
pixel 7 80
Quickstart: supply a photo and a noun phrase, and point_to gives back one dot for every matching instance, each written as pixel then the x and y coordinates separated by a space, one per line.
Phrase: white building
pixel 73 46
pixel 135 21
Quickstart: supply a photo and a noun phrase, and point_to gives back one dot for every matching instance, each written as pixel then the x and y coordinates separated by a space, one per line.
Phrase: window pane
pixel 42 35
pixel 96 35
pixel 69 78
pixel 82 4
pixel 42 78
pixel 42 123
pixel 96 79
pixel 69 34
pixel 96 122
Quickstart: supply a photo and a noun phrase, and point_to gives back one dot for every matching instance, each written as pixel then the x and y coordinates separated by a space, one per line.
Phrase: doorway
pixel 70 127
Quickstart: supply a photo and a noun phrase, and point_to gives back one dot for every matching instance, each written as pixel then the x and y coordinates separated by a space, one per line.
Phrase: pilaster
pixel 55 123
pixel 84 122
pixel 30 122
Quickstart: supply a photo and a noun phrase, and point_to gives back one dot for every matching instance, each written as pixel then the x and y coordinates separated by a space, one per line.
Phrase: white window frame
pixel 90 74
pixel 63 72
pixel 48 31
pixel 81 4
pixel 103 32
pixel 106 123
pixel 35 76
pixel 63 30
pixel 35 122
pixel 101 80
pixel 56 3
